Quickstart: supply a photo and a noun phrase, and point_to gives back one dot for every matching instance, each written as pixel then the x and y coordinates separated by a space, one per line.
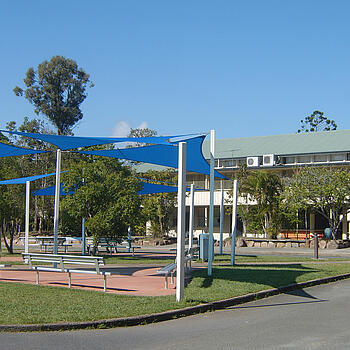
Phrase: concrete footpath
pixel 141 280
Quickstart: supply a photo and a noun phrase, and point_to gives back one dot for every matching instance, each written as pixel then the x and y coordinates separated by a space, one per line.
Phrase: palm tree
pixel 263 190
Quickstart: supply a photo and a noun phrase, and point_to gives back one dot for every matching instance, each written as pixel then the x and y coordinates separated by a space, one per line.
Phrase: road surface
pixel 314 318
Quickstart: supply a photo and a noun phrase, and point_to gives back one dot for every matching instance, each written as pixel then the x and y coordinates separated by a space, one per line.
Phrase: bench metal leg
pixel 37 277
pixel 166 281
pixel 133 251
pixel 172 277
pixel 69 279
pixel 104 283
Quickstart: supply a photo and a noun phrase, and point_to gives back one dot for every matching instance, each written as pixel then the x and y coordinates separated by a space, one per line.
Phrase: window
pixel 304 159
pixel 289 160
pixel 320 158
pixel 338 157
pixel 201 217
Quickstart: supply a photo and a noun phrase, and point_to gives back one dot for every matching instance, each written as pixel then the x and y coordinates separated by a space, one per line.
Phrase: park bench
pixel 128 248
pixel 171 268
pixel 61 263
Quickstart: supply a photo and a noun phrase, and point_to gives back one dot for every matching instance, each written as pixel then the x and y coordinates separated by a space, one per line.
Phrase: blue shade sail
pixel 166 155
pixel 50 191
pixel 148 188
pixel 70 142
pixel 9 151
pixel 23 180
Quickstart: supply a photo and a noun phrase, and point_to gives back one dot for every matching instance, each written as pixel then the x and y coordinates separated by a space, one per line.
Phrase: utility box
pixel 203 246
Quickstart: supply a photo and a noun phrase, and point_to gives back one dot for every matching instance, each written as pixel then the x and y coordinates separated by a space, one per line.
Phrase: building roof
pixel 283 145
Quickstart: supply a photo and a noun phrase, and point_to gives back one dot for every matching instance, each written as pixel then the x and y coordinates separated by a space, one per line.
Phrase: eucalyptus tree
pixel 323 190
pixel 56 89
pixel 34 165
pixel 11 203
pixel 105 194
pixel 159 209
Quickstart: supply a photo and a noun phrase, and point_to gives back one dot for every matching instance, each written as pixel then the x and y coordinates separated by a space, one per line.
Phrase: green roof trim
pixel 283 145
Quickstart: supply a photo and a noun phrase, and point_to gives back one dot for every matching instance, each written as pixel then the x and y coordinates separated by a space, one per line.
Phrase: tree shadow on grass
pixel 267 275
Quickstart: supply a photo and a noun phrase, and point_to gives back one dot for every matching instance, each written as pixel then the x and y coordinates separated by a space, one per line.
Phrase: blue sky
pixel 243 68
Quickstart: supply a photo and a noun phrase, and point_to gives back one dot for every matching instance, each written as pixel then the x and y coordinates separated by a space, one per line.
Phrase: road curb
pixel 168 315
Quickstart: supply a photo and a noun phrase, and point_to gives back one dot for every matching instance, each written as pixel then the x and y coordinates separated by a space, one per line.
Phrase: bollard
pixel 315 245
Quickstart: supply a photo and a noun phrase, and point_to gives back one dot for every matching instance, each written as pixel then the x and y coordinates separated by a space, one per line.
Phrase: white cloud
pixel 143 125
pixel 121 129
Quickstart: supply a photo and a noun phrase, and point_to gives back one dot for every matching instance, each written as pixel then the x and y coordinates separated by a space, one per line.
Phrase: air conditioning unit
pixel 268 160
pixel 253 161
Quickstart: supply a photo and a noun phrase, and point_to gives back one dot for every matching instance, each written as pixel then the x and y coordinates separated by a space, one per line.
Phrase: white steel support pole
pixel 222 209
pixel 190 238
pixel 26 235
pixel 83 237
pixel 234 222
pixel 181 213
pixel 57 201
pixel 211 205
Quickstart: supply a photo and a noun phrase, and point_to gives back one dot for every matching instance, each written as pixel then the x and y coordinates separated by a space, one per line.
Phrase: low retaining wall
pixel 288 243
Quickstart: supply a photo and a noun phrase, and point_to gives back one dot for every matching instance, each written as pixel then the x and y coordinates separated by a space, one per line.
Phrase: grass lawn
pixel 21 303
pixel 226 258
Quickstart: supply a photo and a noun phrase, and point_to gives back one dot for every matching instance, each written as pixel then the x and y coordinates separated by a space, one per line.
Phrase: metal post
pixel 234 222
pixel 26 235
pixel 190 236
pixel 83 237
pixel 222 221
pixel 211 205
pixel 181 212
pixel 57 201
pixel 315 246
pixel 129 239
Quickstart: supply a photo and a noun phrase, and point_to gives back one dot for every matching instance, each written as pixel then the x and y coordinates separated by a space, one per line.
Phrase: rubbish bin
pixel 203 246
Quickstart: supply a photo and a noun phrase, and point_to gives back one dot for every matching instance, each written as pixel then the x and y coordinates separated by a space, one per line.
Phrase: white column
pixel 211 205
pixel 234 222
pixel 57 201
pixel 181 214
pixel 190 236
pixel 222 210
pixel 345 225
pixel 83 237
pixel 26 235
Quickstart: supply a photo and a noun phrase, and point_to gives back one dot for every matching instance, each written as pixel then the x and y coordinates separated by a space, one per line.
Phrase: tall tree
pixel 260 191
pixel 159 209
pixel 142 132
pixel 317 122
pixel 105 195
pixel 323 190
pixel 57 89
pixel 11 203
pixel 35 165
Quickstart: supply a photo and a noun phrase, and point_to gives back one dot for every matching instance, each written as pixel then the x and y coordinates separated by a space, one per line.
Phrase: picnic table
pixel 47 243
pixel 111 244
